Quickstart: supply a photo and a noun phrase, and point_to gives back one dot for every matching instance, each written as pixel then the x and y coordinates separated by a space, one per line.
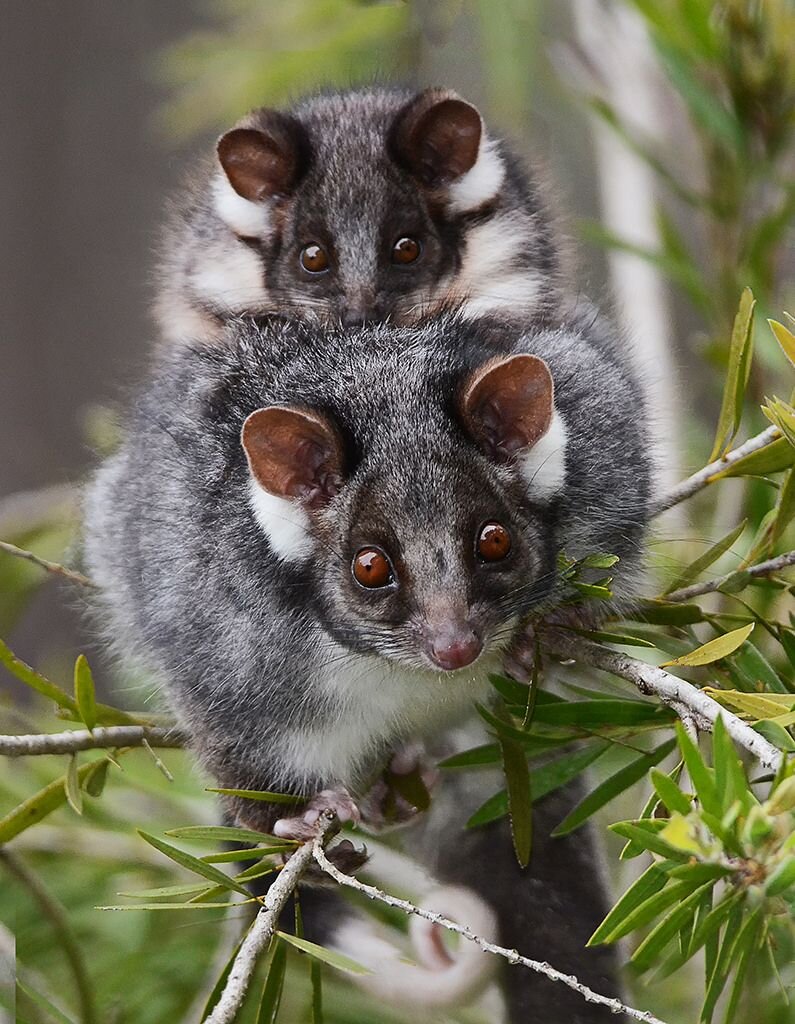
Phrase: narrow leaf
pixel 773 458
pixel 224 834
pixel 199 867
pixel 785 338
pixel 700 775
pixel 645 832
pixel 670 794
pixel 40 805
pixel 714 650
pixel 489 753
pixel 84 692
pixel 274 984
pixel 327 956
pixel 644 956
pixel 611 787
pixel 650 882
pixel 740 349
pixel 520 801
pixel 695 569
pixel 74 794
pixel 257 794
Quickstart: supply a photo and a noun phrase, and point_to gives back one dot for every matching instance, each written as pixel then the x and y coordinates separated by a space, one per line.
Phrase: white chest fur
pixel 379 704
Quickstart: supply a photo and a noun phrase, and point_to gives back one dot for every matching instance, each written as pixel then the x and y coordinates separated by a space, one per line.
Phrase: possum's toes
pixel 402 791
pixel 302 826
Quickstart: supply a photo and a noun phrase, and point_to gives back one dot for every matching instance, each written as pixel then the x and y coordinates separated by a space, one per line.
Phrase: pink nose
pixel 455 651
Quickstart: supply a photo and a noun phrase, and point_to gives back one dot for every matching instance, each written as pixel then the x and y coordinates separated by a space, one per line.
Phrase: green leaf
pixel 37 807
pixel 715 649
pixel 645 955
pixel 495 807
pixel 586 714
pixel 650 909
pixel 650 882
pixel 599 561
pixel 659 613
pixel 785 338
pixel 316 980
pixel 520 801
pixel 226 834
pixel 782 878
pixel 274 985
pixel 327 956
pixel 74 794
pixel 730 781
pixel 692 572
pixel 257 794
pixel 773 458
pixel 489 753
pixel 172 906
pixel 700 775
pixel 777 735
pixel 670 794
pixel 42 1002
pixel 736 936
pixel 199 867
pixel 740 351
pixel 623 639
pixel 645 832
pixel 706 931
pixel 167 891
pixel 96 777
pixel 561 770
pixel 758 668
pixel 34 679
pixel 611 787
pixel 785 508
pixel 742 955
pixel 84 692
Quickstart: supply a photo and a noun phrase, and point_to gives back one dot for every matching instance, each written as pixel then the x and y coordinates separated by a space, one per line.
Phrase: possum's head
pixel 420 537
pixel 369 206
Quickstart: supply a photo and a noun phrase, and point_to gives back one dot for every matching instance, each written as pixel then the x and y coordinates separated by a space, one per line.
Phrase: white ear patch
pixel 480 183
pixel 247 219
pixel 543 467
pixel 285 523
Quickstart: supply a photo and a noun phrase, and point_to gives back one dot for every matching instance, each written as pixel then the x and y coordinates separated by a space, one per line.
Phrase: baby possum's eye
pixel 406 250
pixel 314 259
pixel 493 543
pixel 372 569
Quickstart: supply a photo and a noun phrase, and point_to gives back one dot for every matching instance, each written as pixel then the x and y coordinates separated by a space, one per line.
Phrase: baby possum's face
pixel 357 208
pixel 429 548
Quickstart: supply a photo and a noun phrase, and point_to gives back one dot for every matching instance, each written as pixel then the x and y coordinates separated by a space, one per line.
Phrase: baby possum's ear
pixel 507 404
pixel 294 454
pixel 437 137
pixel 264 160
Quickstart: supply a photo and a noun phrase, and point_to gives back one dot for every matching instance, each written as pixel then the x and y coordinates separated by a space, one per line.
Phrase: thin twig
pixel 511 955
pixel 704 476
pixel 670 689
pixel 767 568
pixel 265 925
pixel 53 567
pixel 101 738
pixel 67 940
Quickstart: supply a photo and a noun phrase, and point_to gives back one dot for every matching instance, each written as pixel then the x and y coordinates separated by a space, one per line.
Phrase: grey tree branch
pixel 672 690
pixel 52 567
pixel 266 923
pixel 100 738
pixel 511 955
pixel 687 488
pixel 772 565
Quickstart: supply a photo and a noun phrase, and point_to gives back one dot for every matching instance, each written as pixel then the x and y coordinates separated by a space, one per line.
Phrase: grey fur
pixel 356 198
pixel 264 659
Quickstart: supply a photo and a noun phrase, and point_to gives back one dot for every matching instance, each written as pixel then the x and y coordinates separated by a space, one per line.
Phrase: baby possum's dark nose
pixel 454 647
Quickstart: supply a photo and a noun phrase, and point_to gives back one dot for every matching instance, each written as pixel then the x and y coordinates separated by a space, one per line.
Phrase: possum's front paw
pixel 304 825
pixel 402 791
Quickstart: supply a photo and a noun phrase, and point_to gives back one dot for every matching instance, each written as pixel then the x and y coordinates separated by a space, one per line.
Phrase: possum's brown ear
pixel 266 160
pixel 507 404
pixel 294 453
pixel 436 137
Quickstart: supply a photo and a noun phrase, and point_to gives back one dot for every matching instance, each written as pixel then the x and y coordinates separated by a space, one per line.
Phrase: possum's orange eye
pixel 372 569
pixel 314 259
pixel 405 250
pixel 494 542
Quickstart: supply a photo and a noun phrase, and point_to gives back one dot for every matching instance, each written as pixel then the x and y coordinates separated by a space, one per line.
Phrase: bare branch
pixel 777 564
pixel 687 488
pixel 672 690
pixel 511 955
pixel 53 567
pixel 266 923
pixel 100 738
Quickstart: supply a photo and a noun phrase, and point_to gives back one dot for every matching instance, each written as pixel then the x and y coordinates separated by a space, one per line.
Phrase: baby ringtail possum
pixel 322 541
pixel 365 205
